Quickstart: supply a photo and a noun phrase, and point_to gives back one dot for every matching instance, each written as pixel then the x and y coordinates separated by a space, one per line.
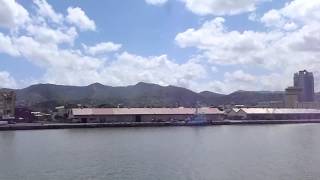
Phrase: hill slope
pixel 44 96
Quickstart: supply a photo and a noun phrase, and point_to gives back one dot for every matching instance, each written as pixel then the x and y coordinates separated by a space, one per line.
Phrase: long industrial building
pixel 109 115
pixel 273 113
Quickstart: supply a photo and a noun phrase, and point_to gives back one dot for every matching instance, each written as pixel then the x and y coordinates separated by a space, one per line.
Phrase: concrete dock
pixel 35 126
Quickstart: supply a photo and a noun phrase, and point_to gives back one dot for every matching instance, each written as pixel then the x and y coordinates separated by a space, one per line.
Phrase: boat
pixel 197 119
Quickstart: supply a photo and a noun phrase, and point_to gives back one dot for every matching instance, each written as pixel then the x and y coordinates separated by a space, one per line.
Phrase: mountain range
pixel 48 96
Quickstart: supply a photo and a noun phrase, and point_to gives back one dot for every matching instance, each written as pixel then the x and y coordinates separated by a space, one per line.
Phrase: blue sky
pixel 215 45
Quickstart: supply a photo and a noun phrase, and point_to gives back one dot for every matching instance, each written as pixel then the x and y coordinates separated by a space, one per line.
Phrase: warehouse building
pixel 108 115
pixel 273 114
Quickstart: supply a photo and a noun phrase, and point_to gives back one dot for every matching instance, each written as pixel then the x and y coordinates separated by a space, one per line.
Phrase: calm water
pixel 284 152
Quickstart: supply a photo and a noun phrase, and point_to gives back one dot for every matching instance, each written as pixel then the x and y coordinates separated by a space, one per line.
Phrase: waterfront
pixel 286 152
pixel 39 126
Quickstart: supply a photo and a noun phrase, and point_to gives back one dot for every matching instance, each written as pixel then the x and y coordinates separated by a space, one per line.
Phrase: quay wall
pixel 147 124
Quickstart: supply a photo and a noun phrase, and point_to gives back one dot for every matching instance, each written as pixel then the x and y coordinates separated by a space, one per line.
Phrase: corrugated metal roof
pixel 141 111
pixel 279 111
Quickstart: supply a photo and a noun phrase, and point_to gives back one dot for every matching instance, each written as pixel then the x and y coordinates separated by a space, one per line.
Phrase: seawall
pixel 35 126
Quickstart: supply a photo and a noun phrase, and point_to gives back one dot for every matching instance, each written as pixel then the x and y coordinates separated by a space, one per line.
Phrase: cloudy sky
pixel 215 45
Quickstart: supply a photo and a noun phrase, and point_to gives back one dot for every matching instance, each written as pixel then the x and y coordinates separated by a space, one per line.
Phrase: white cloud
pixel 237 80
pixel 239 76
pixel 39 43
pixel 102 48
pixel 267 49
pixel 156 2
pixel 240 80
pixel 71 67
pixel 78 17
pixel 51 56
pixel 46 10
pixel 46 34
pixel 306 39
pixel 6 80
pixel 253 16
pixel 301 10
pixel 272 18
pixel 12 14
pixel 129 68
pixel 292 43
pixel 47 26
pixel 221 7
pixel 61 66
pixel 290 26
pixel 6 45
pixel 295 13
pixel 215 7
pixel 221 46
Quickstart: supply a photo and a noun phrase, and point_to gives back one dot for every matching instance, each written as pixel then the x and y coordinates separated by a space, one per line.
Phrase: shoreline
pixel 41 126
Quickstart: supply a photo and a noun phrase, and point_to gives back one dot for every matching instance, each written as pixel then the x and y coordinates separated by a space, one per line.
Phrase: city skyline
pixel 199 45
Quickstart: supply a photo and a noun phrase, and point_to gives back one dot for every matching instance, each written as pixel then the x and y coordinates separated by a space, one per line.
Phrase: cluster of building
pixel 11 113
pixel 299 103
pixel 301 94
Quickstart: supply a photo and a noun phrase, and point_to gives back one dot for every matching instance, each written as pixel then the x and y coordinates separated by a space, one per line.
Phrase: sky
pixel 203 45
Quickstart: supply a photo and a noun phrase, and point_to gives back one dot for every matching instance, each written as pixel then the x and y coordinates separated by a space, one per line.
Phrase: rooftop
pixel 143 111
pixel 280 111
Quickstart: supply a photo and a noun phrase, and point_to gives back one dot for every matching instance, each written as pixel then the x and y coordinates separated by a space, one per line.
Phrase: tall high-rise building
pixel 304 80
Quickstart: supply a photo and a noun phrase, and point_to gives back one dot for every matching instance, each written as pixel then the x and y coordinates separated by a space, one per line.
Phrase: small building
pixel 292 97
pixel 236 113
pixel 24 114
pixel 59 114
pixel 40 116
pixel 60 110
pixel 109 115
